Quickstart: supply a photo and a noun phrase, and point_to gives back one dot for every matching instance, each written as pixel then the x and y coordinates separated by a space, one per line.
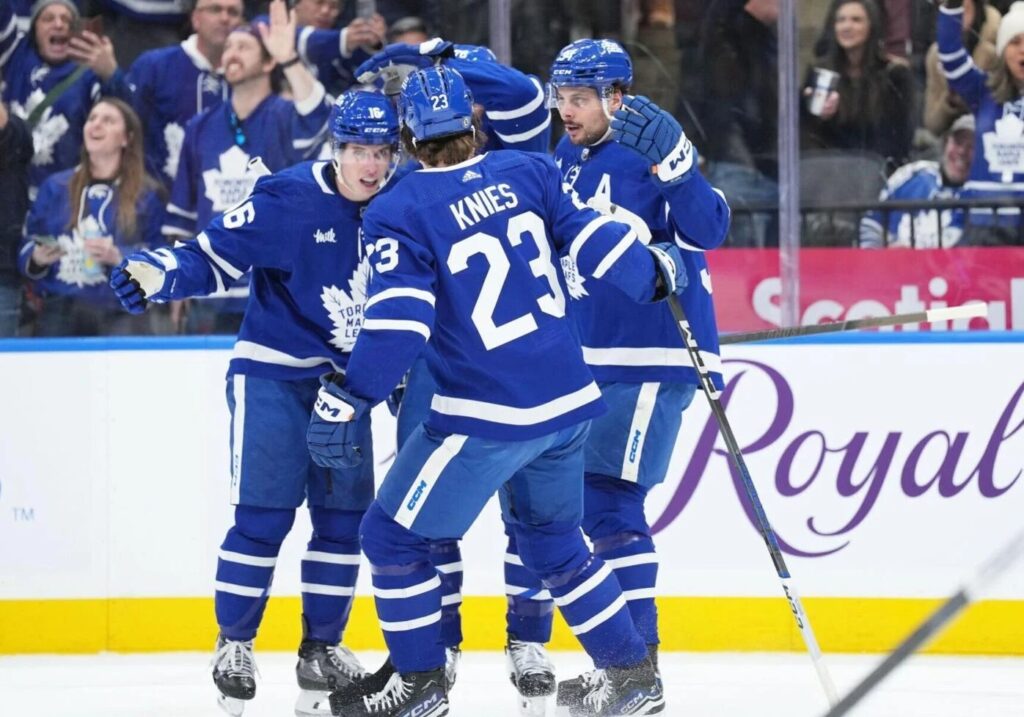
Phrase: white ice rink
pixel 698 685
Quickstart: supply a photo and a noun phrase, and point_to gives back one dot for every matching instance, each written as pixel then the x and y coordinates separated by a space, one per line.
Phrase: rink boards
pixel 889 464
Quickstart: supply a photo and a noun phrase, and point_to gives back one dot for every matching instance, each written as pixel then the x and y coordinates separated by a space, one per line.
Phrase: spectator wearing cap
pixel 171 85
pixel 51 78
pixel 216 170
pixel 995 99
pixel 82 222
pixel 942 105
pixel 920 181
pixel 15 155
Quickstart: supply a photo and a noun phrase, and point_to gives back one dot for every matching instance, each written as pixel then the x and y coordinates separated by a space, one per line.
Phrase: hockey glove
pixel 403 55
pixel 143 277
pixel 668 263
pixel 331 436
pixel 646 128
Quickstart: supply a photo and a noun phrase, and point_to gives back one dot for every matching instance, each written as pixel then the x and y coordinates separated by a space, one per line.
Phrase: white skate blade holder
pixel 232 706
pixel 312 703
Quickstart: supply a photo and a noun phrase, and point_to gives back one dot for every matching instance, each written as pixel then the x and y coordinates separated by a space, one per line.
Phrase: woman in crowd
pixel 994 97
pixel 942 105
pixel 81 223
pixel 873 106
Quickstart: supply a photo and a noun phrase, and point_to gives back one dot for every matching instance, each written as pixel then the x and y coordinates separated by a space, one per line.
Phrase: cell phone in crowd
pixel 92 24
pixel 366 8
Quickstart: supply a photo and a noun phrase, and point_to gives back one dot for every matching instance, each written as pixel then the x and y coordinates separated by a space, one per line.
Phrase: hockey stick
pixel 763 525
pixel 933 625
pixel 966 311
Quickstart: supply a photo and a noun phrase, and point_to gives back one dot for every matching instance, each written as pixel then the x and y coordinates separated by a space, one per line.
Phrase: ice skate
pixel 532 674
pixel 619 691
pixel 570 691
pixel 321 669
pixel 452 658
pixel 417 694
pixel 234 673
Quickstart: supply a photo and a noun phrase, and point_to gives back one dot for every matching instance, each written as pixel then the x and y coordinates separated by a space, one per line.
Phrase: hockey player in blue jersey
pixel 628 159
pixel 299 232
pixel 464 266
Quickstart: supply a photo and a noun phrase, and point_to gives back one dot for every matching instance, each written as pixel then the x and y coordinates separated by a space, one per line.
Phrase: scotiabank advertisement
pixel 847 284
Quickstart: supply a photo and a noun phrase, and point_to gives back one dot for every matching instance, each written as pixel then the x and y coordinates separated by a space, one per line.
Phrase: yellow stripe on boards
pixel 696 624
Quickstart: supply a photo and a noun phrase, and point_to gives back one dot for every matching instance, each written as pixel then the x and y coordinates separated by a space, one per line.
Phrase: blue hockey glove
pixel 668 262
pixel 646 128
pixel 143 277
pixel 402 54
pixel 331 436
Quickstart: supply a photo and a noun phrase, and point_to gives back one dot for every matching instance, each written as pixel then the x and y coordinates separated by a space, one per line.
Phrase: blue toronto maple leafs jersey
pixel 57 135
pixel 301 239
pixel 623 341
pixel 77 274
pixel 323 52
pixel 998 167
pixel 213 169
pixel 931 228
pixel 170 86
pixel 464 261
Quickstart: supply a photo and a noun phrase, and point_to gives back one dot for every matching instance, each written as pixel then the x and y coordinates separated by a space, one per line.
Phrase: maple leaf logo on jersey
pixel 47 132
pixel 231 182
pixel 326 237
pixel 346 309
pixel 573 279
pixel 174 137
pixel 76 266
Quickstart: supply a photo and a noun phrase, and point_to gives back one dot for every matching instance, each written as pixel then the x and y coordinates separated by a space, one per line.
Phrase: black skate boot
pixel 571 691
pixel 632 690
pixel 234 673
pixel 321 669
pixel 416 694
pixel 376 682
pixel 532 674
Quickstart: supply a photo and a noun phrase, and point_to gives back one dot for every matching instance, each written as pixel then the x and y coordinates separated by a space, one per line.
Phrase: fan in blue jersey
pixel 51 78
pixel 299 232
pixel 630 160
pixel 171 85
pixel 920 181
pixel 332 55
pixel 464 267
pixel 214 169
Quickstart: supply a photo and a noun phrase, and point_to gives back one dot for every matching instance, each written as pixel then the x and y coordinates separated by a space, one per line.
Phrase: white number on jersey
pixel 240 216
pixel 386 250
pixel 492 334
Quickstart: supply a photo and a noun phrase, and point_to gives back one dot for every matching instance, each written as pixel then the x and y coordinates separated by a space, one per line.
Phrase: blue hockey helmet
pixel 474 53
pixel 600 64
pixel 363 117
pixel 435 102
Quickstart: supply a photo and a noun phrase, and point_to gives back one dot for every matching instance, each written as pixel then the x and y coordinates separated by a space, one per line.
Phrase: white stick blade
pixel 966 311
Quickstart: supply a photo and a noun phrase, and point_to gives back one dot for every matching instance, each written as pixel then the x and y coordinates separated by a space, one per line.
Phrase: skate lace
pixel 345 661
pixel 235 658
pixel 393 693
pixel 600 689
pixel 529 658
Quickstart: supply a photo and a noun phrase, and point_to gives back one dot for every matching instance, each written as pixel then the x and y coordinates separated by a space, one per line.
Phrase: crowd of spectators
pixel 127 123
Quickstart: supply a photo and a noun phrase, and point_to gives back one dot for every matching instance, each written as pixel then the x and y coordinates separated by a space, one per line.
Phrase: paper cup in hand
pixel 823 82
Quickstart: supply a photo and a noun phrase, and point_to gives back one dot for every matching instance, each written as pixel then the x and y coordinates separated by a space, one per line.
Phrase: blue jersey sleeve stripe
pixel 315 99
pixel 613 256
pixel 950 56
pixel 307 143
pixel 526 109
pixel 218 260
pixel 585 234
pixel 397 325
pixel 301 48
pixel 400 293
pixel 174 231
pixel 12 27
pixel 175 209
pixel 514 415
pixel 952 74
pixel 528 134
